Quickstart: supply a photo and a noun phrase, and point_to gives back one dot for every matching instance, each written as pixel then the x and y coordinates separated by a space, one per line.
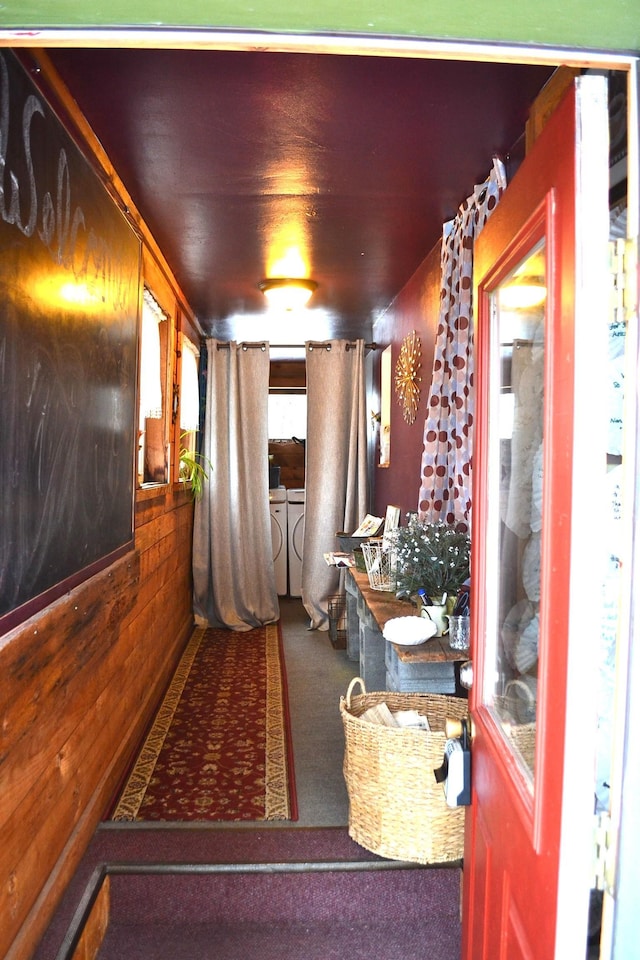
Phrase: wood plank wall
pixel 289 456
pixel 78 684
pixel 80 680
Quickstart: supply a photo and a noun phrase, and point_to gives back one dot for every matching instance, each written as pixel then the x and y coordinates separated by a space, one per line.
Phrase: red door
pixel 535 542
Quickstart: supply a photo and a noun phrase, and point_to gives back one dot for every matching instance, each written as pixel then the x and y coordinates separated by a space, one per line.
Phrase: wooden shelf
pixel 385 606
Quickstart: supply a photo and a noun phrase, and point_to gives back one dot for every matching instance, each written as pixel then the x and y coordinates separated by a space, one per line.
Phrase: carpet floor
pixel 219 748
pixel 288 915
pixel 198 892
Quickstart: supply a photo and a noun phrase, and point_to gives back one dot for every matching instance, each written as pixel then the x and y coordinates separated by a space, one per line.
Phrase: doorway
pixel 426 50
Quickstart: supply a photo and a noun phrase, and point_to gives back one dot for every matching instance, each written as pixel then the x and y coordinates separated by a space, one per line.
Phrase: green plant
pixel 430 556
pixel 193 470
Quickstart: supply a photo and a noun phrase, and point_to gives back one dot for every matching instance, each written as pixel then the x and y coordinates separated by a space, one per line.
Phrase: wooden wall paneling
pixel 61 719
pixel 151 501
pixel 96 926
pixel 290 457
pixel 154 533
pixel 159 617
pixel 104 731
pixel 107 707
pixel 42 742
pixel 67 793
pixel 161 573
pixel 80 800
pixel 40 670
pixel 288 373
pixel 145 533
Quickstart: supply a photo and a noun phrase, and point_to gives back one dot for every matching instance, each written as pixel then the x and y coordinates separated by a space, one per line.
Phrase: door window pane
pixel 517 443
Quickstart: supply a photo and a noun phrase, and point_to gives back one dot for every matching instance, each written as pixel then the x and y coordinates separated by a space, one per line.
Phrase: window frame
pixel 183 328
pixel 166 327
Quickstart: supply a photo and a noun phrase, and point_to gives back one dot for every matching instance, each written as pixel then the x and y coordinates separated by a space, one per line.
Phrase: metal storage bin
pixel 338 622
pixel 349 544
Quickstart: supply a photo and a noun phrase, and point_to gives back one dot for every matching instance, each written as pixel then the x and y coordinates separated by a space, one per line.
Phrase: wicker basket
pixel 396 808
pixel 522 735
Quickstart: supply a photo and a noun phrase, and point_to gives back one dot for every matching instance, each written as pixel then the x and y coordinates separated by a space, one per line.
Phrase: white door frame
pixel 620 926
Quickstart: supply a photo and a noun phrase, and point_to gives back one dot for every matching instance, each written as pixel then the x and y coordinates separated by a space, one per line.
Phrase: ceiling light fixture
pixel 287 293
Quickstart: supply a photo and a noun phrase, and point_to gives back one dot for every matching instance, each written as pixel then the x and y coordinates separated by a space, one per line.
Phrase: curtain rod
pixel 263 344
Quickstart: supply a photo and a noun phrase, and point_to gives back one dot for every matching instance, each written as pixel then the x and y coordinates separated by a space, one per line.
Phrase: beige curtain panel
pixel 233 574
pixel 336 464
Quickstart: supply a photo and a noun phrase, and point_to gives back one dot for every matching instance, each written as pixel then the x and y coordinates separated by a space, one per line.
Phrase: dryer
pixel 295 522
pixel 278 510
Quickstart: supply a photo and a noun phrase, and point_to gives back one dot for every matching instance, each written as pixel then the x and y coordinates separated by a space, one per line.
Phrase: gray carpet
pixel 317 675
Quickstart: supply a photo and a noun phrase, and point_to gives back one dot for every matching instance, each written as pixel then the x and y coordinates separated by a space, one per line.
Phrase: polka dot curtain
pixel 445 482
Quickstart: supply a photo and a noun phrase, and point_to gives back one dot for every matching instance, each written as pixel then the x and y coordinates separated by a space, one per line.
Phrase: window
pixel 152 464
pixel 287 410
pixel 287 416
pixel 189 394
pixel 287 419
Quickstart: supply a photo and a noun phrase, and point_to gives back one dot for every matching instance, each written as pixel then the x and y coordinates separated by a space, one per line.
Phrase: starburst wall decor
pixel 407 377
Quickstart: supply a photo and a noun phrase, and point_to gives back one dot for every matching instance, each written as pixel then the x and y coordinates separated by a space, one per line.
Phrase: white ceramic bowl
pixel 409 631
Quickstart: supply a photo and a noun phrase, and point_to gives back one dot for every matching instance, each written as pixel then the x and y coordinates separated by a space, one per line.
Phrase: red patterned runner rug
pixel 219 747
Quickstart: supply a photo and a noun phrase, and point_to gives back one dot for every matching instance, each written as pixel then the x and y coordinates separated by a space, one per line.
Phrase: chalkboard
pixel 69 307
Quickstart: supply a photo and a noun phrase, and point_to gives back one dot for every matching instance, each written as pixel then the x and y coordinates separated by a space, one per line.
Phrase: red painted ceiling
pixel 229 154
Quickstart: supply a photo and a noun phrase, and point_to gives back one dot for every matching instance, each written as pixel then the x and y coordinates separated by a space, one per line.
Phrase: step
pixel 277 893
pixel 315 910
pixel 172 886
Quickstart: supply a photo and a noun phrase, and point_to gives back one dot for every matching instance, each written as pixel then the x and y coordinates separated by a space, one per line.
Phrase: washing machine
pixel 295 522
pixel 278 510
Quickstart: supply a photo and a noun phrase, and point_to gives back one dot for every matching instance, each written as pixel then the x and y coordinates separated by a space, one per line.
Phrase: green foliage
pixel 193 470
pixel 431 556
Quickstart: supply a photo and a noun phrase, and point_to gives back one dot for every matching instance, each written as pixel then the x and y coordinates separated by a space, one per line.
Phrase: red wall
pixel 415 308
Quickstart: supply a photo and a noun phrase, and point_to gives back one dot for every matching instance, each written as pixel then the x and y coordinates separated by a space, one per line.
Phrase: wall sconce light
pixel 522 293
pixel 287 293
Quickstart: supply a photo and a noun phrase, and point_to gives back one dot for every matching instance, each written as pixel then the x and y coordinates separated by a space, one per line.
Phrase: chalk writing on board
pixel 60 225
pixel 69 294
